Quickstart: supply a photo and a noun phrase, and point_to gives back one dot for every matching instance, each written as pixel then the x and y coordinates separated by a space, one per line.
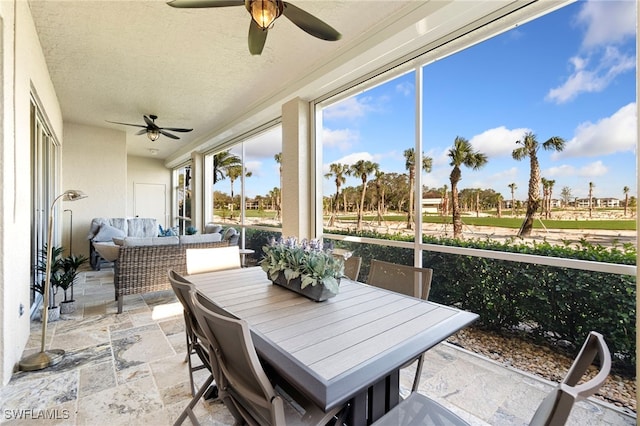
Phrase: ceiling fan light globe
pixel 153 135
pixel 264 12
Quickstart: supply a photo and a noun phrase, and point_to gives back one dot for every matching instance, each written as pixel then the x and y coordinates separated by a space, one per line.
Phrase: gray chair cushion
pixel 200 238
pixel 150 241
pixel 211 228
pixel 106 233
pixel 142 227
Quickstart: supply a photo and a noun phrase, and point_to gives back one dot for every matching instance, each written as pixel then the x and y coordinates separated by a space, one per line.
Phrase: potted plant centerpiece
pixel 303 267
pixel 63 272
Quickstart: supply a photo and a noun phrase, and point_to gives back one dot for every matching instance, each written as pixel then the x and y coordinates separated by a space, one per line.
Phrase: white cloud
pixel 265 145
pixel 607 21
pixel 406 88
pixel 342 139
pixel 351 159
pixel 350 108
pixel 597 168
pixel 497 142
pixel 255 167
pixel 609 135
pixel 560 171
pixel 607 25
pixel 589 80
pixel 508 175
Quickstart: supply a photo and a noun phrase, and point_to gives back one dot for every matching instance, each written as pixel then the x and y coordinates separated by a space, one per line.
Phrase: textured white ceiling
pixel 118 60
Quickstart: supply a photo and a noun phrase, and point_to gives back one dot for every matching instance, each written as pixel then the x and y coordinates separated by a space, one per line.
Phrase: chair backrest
pixel 242 376
pixel 201 260
pixel 556 407
pixel 403 279
pixel 352 267
pixel 182 288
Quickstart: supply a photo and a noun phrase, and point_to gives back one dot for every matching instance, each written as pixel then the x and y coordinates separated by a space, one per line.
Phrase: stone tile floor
pixel 129 369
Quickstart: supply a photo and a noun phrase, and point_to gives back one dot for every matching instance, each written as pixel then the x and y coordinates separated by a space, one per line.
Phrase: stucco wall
pixel 94 160
pixel 20 76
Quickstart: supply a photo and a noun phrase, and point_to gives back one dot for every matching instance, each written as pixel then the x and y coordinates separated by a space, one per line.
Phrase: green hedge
pixel 556 306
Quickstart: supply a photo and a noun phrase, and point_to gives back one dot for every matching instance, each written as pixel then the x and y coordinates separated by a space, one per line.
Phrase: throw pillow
pixel 107 233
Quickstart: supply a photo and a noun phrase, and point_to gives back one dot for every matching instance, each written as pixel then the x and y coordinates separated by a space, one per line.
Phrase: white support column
pixel 297 191
pixel 197 193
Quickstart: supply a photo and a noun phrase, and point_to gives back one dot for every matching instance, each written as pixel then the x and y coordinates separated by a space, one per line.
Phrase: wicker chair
pixel 143 269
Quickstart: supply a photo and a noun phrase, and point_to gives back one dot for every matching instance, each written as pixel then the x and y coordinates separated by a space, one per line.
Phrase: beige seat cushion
pixel 108 251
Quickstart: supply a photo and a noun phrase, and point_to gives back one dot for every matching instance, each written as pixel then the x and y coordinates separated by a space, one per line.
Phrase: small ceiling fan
pixel 263 14
pixel 152 130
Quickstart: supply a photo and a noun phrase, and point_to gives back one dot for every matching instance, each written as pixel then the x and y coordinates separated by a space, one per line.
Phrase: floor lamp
pixel 44 359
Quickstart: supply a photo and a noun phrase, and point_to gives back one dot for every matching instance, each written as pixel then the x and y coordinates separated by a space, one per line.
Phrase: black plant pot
pixel 317 293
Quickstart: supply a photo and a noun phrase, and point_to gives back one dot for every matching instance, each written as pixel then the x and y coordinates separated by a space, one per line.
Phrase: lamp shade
pixel 153 135
pixel 264 12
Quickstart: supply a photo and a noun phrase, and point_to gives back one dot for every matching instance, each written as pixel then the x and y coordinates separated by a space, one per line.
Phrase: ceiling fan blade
pixel 309 23
pixel 142 132
pixel 188 4
pixel 175 129
pixel 167 134
pixel 150 123
pixel 126 124
pixel 257 38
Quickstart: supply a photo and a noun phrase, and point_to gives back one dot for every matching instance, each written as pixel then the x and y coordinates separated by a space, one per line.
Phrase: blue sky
pixel 570 73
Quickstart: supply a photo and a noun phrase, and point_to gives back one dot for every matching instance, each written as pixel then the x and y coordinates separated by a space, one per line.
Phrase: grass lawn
pixel 503 222
pixel 514 223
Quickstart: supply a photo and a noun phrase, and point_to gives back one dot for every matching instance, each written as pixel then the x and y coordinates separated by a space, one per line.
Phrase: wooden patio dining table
pixel 348 348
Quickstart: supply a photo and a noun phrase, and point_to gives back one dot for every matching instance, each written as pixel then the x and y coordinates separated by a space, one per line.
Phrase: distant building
pixel 598 202
pixel 431 205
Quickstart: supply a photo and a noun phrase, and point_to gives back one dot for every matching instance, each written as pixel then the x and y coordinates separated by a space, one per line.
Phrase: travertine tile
pixel 129 369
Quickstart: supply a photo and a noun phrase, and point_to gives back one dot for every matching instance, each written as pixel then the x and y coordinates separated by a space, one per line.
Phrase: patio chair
pixel 352 267
pixel 212 259
pixel 196 340
pixel 245 387
pixel 554 410
pixel 407 280
pixel 556 407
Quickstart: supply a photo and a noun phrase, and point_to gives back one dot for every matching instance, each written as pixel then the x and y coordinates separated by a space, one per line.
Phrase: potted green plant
pixel 63 272
pixel 39 286
pixel 303 267
pixel 65 280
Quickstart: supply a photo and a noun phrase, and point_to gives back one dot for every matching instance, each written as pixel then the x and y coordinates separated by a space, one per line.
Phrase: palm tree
pixel 565 194
pixel 379 182
pixel 362 169
pixel 445 200
pixel 221 163
pixel 410 165
pixel 234 172
pixel 626 199
pixel 513 188
pixel 499 204
pixel 338 171
pixel 545 195
pixel 278 158
pixel 591 186
pixel 550 184
pixel 529 148
pixel 462 153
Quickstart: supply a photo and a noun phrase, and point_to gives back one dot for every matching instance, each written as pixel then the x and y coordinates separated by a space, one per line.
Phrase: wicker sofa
pixel 143 268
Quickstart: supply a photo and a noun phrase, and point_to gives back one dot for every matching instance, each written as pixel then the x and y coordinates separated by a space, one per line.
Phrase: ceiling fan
pixel 263 13
pixel 152 130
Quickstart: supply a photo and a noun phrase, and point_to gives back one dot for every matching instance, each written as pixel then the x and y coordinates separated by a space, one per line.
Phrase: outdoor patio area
pixel 129 369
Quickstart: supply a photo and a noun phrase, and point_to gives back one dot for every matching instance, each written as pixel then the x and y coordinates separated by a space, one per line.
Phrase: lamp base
pixel 41 360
